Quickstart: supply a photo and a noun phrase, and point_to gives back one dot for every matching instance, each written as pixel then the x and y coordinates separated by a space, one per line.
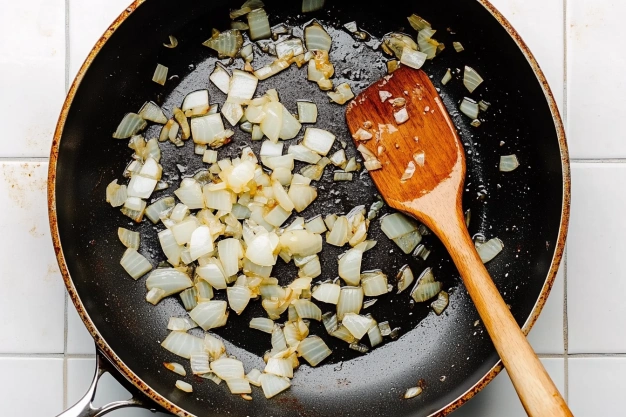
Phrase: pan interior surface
pixel 451 353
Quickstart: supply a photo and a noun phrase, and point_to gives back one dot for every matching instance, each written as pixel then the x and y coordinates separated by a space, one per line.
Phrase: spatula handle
pixel 536 390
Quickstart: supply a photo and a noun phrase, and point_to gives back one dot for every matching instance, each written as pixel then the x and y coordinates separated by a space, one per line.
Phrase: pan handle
pixel 84 407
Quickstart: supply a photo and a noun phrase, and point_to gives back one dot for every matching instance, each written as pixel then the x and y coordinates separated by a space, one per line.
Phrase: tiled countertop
pixel 45 351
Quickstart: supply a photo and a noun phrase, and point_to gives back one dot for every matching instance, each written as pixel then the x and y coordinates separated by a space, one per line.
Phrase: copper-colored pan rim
pixel 173 408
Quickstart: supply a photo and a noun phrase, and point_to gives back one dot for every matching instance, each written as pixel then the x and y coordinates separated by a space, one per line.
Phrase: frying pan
pixel 452 354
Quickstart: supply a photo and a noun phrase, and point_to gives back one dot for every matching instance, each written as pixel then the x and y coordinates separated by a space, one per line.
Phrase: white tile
pixel 596 386
pixel 31 387
pixel 596 281
pixel 88 21
pixel 499 398
pixel 545 44
pixel 80 373
pixel 546 335
pixel 32 297
pixel 79 341
pixel 594 86
pixel 32 58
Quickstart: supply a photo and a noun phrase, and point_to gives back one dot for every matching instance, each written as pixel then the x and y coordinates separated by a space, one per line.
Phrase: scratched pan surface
pixel 527 208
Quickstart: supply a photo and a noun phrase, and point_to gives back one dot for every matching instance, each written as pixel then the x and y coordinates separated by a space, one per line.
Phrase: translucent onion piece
pixel 490 249
pixel 342 94
pixel 204 291
pixel 279 367
pixel 374 283
pixel 182 344
pixel 350 266
pixel 238 298
pixel 374 334
pixel 338 159
pixel 290 126
pixel 214 346
pixel 312 5
pixel 342 176
pixel 218 200
pixel 350 301
pixel 262 324
pixel 418 23
pixel 141 187
pixel 307 112
pixel 200 363
pixel 317 38
pixel 227 43
pixel 483 105
pixel 190 193
pixel 396 42
pixel 242 87
pixel 327 293
pixel 221 78
pixel 209 314
pixel 352 165
pixel 279 343
pixel 289 48
pixel 206 129
pixel 302 196
pixel 211 376
pixel 447 77
pixel 274 68
pixel 471 79
pixel 170 247
pixel 303 154
pixel 184 386
pixel 307 310
pixel 508 163
pixel 259 25
pixel 196 103
pixel 356 324
pixel 201 243
pixel 232 112
pixel 180 324
pixel 409 241
pixel 313 350
pixel 301 242
pixel 344 334
pixel 277 216
pixel 116 194
pixel 440 304
pixel 405 278
pixel 396 225
pixel 227 368
pixel 160 74
pixel 261 249
pixel 183 230
pixel 273 385
pixel 247 52
pixel 170 280
pixel 230 251
pixel 128 238
pixel 458 46
pixel 135 264
pixel 272 123
pixel 130 125
pixel 318 140
pixel 177 368
pixel 412 392
pixel 469 108
pixel 426 287
pixel 330 322
pixel 254 377
pixel 315 225
pixel 152 112
pixel 257 133
pixel 426 44
pixel 339 233
pixel 413 59
pixel 239 386
pixel 173 43
pixel 239 26
pixel 312 269
pixel 247 7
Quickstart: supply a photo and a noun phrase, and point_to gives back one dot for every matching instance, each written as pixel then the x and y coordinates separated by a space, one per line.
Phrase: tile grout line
pixel 65 307
pixel 565 319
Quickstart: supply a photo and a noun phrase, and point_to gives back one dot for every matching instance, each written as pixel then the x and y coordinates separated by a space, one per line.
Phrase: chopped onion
pixel 232 112
pixel 214 346
pixel 273 120
pixel 218 200
pixel 289 48
pixel 350 301
pixel 242 87
pixel 483 105
pixel 238 297
pixel 116 194
pixel 130 125
pixel 418 23
pixel 307 112
pixel 490 249
pixel 344 334
pixel 213 273
pixel 184 386
pixel 239 386
pixel 426 287
pixel 259 25
pixel 457 46
pixel 205 129
pixel 183 230
pixel 342 94
pixel 177 368
pixel 412 392
pixel 405 278
pixel 182 344
pixel 317 38
pixel 290 126
pixel 312 5
pixel 440 304
pixel 508 163
pixel 316 225
pixel 201 243
pixel 262 324
pixel 196 103
pixel 471 79
pixel 135 264
pixel 230 251
pixel 401 116
pixel 190 193
pixel 221 78
pixel 128 238
pixel 374 283
pixel 141 187
pixel 204 291
pixel 173 43
pixel 301 242
pixel 227 369
pixel 394 43
pixel 304 154
pixel 170 247
pixel 350 266
pixel 428 45
pixel 160 74
pixel 274 68
pixel 279 367
pixel 273 385
pixel 307 310
pixel 318 140
pixel 469 108
pixel 447 77
pixel 396 225
pixel 409 241
pixel 327 293
pixel 356 324
pixel 254 377
pixel 362 135
pixel 227 43
pixel 210 314
pixel 247 7
pixel 313 350
pixel 247 52
pixel 413 59
pixel 200 363
pixel 152 112
pixel 170 280
pixel 302 196
pixel 374 334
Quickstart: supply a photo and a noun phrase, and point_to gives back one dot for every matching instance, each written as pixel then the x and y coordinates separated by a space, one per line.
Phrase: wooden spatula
pixel 429 141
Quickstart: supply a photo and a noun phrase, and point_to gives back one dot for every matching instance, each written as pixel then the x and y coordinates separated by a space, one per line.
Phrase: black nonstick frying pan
pixel 452 354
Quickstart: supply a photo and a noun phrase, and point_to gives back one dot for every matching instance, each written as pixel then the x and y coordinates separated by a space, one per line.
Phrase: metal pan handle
pixel 84 407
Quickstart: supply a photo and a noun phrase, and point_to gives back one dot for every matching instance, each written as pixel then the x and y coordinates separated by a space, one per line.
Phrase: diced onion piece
pixel 259 25
pixel 318 140
pixel 277 216
pixel 317 38
pixel 401 116
pixel 130 125
pixel 206 129
pixel 483 105
pixel 428 45
pixel 273 385
pixel 304 154
pixel 342 94
pixel 279 367
pixel 313 350
pixel 246 51
pixel 254 377
pixel 170 247
pixel 213 273
pixel 440 304
pixel 218 200
pixel 140 186
pixel 221 78
pixel 356 324
pixel 307 310
pixel 246 8
pixel 196 103
pixel 170 280
pixel 307 112
pixel 210 314
pixel 301 242
pixel 200 363
pixel 160 74
pixel 409 241
pixel 312 5
pixel 262 324
pixel 227 369
pixel 374 283
pixel 362 134
pixel 408 172
pixel 338 159
pixel 426 287
pixel 418 23
pixel 471 79
pixel 412 392
pixel 232 112
pixel 413 59
pixel 135 264
pixel 189 298
pixel 447 77
pixel 457 46
pixel 508 163
pixel 289 48
pixel 177 368
pixel 238 297
pixel 214 346
pixel 405 278
pixel 279 343
pixel 183 230
pixel 201 243
pixel 182 344
pixel 302 196
pixel 273 120
pixel 128 238
pixel 184 386
pixel 327 293
pixel 239 386
pixel 152 112
pixel 290 126
pixel 227 43
pixel 374 334
pixel 116 194
pixel 396 225
pixel 274 68
pixel 242 87
pixel 490 249
pixel 230 251
pixel 469 108
pixel 350 301
pixel 154 296
pixel 190 193
pixel 316 225
pixel 173 43
pixel 350 266
pixel 344 334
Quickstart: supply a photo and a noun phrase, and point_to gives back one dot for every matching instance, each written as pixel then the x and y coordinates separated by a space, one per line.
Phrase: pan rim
pixel 104 347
